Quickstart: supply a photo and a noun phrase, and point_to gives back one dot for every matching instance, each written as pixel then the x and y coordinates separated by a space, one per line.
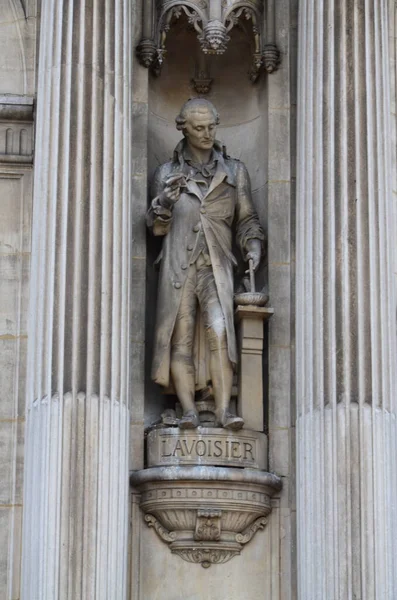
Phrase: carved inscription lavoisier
pixel 209 446
pixel 199 448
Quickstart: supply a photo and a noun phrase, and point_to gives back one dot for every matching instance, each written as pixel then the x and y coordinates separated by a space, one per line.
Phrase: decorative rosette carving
pixel 214 38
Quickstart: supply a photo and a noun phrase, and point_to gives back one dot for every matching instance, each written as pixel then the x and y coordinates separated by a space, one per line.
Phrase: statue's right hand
pixel 172 191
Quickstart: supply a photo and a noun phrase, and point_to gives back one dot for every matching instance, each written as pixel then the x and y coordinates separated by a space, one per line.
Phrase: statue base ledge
pixel 205 514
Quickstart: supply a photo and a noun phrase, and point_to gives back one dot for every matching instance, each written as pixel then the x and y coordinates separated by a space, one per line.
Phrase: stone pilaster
pixel 76 474
pixel 345 329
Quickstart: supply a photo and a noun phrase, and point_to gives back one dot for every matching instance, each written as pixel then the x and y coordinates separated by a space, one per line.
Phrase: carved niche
pixel 213 21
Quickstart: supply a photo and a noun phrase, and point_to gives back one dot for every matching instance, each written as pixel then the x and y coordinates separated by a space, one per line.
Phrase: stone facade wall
pixel 269 563
pixel 393 104
pixel 17 88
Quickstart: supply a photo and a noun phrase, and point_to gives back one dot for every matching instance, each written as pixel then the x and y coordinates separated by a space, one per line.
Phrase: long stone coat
pixel 225 209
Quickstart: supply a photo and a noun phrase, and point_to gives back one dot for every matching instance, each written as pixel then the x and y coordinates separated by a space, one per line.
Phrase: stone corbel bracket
pixel 206 515
pixel 212 20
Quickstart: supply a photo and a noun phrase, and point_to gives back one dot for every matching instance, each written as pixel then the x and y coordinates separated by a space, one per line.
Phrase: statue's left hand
pixel 254 253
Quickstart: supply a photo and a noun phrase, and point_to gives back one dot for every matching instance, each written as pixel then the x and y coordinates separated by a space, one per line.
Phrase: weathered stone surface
pixel 207 446
pixel 75 539
pixel 251 320
pixel 206 514
pixel 16 128
pixel 345 306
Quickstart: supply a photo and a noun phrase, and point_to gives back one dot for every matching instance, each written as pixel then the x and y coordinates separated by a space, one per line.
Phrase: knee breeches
pixel 199 288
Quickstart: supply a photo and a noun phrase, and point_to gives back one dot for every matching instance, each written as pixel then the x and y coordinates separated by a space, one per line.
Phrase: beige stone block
pixel 8 432
pixel 136 446
pixel 4 547
pixel 250 576
pixel 280 298
pixel 10 552
pixel 250 381
pixel 279 82
pixel 17 50
pixel 279 218
pixel 14 294
pixel 8 377
pixel 279 133
pixel 250 398
pixel 279 451
pixel 288 584
pixel 279 387
pixel 19 458
pixel 246 141
pixel 12 377
pixel 209 446
pixel 15 210
pixel 284 497
pixel 16 552
pixel 11 461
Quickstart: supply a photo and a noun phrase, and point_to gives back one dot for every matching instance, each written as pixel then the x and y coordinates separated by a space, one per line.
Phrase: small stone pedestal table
pixel 250 321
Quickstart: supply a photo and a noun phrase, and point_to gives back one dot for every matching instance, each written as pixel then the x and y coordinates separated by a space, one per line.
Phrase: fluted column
pixel 345 328
pixel 77 422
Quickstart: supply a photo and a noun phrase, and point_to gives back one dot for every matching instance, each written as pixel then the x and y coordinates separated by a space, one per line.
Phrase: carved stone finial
pixel 147 53
pixel 214 38
pixel 202 85
pixel 271 58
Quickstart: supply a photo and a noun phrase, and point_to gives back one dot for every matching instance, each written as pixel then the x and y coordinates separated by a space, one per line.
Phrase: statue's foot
pixel 229 421
pixel 190 420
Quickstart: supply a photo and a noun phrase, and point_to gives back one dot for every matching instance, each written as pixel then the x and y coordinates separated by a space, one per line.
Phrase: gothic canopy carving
pixel 213 21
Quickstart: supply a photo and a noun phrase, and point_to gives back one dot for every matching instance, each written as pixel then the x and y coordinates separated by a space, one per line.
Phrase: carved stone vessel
pixel 205 514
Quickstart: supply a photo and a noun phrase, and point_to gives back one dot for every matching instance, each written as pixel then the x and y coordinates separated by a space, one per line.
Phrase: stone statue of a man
pixel 201 202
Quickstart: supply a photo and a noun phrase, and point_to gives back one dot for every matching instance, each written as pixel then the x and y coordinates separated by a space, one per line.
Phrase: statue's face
pixel 200 129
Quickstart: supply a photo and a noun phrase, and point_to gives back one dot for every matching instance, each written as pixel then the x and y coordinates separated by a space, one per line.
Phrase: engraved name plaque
pixel 207 446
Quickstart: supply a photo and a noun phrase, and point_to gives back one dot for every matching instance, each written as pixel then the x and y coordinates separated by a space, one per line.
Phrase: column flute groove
pixel 346 385
pixel 75 537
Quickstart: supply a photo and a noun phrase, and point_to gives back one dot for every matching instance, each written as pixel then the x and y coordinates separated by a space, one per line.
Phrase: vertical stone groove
pixel 76 472
pixel 346 422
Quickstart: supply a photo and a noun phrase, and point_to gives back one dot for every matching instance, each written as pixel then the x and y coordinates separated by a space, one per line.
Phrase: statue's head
pixel 198 120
